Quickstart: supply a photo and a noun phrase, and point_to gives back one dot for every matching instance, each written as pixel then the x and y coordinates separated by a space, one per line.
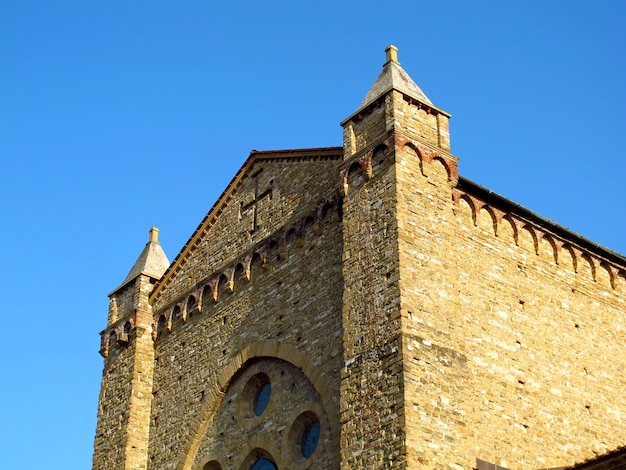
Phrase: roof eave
pixel 126 283
pixel 506 204
pixel 366 107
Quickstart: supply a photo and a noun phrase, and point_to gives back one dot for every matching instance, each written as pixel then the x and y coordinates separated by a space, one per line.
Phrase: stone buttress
pixel 394 112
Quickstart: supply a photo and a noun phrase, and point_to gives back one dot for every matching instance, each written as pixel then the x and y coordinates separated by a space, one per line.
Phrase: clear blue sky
pixel 119 115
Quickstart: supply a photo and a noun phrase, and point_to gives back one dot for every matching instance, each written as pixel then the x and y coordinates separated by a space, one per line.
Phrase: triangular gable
pixel 261 196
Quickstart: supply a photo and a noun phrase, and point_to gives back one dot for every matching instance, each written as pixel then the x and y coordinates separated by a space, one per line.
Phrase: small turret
pixel 128 349
pixel 152 263
pixel 395 103
pixel 152 260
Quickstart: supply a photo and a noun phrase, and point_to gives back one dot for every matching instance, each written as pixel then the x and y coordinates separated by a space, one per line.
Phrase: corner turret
pixel 395 103
pixel 152 260
pixel 397 175
pixel 128 350
pixel 151 263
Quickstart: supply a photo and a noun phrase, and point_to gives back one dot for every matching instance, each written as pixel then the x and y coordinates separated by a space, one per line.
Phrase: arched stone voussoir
pixel 258 349
pixel 199 426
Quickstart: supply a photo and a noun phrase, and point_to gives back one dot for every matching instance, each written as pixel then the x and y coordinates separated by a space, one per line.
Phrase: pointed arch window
pixel 191 306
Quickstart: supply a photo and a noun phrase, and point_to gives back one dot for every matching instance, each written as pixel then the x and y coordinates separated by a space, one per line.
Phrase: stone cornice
pixel 429 108
pixel 483 197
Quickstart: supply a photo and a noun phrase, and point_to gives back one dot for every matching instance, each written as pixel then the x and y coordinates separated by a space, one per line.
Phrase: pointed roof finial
pixel 391 77
pixel 392 54
pixel 152 261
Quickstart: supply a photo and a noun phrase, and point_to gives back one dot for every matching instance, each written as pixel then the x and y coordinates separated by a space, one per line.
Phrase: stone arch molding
pixel 427 156
pixel 361 164
pixel 559 251
pixel 258 349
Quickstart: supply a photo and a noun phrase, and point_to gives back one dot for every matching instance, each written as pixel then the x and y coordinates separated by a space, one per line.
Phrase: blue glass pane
pixel 262 398
pixel 310 439
pixel 263 464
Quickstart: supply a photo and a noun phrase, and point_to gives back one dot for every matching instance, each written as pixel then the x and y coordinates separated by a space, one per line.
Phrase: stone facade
pixel 366 307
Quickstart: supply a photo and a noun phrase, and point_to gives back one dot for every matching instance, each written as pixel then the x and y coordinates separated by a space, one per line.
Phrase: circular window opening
pixel 310 439
pixel 254 399
pixel 263 464
pixel 261 399
pixel 305 435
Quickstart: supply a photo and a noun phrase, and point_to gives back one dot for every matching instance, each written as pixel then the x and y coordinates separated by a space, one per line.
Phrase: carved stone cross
pixel 248 209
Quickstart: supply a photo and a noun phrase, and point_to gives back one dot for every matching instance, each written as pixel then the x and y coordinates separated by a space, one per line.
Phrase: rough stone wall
pixel 121 305
pixel 113 410
pixel 413 121
pixel 513 338
pixel 364 129
pixel 289 299
pixel 372 414
pixel 435 366
pixel 141 383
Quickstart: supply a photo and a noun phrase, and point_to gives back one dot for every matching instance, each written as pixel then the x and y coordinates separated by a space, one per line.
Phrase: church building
pixel 366 307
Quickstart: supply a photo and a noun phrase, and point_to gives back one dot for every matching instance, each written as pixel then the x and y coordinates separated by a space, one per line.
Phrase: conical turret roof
pixel 152 261
pixel 393 76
